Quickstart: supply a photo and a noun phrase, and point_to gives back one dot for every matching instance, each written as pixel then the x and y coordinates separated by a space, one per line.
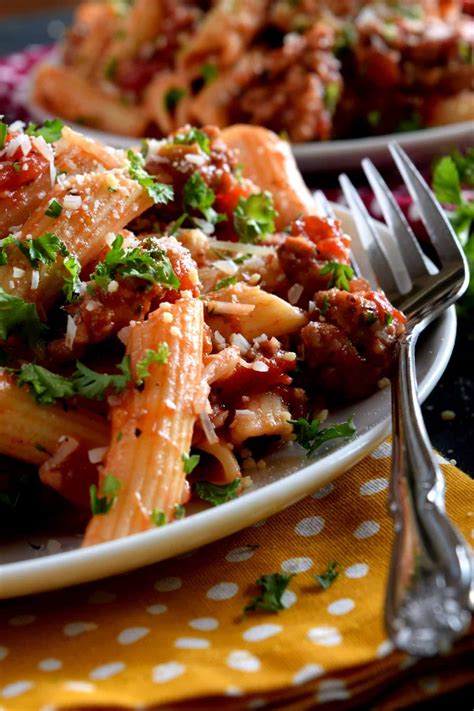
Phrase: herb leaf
pixel 254 217
pixel 93 385
pixel 5 242
pixel 103 504
pixel 341 274
pixel 150 264
pixel 172 97
pixel 54 209
pixel 226 281
pixel 42 249
pixel 198 196
pixel 3 133
pixel 216 494
pixel 51 130
pixel 160 193
pixel 158 517
pixel 446 182
pixel 44 386
pixel 209 72
pixel 72 282
pixel 17 313
pixel 311 437
pixel 270 599
pixel 158 355
pixel 327 578
pixel 194 135
pixel 190 462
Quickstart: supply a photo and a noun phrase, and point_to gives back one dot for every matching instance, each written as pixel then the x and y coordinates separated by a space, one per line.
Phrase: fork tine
pixel 324 207
pixel 413 257
pixel 439 230
pixel 372 256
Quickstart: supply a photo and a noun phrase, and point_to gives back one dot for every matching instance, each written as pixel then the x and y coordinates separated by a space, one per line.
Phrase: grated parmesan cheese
pixel 72 202
pixel 70 332
pixel 18 273
pixel 34 279
pixel 294 293
pixel 97 455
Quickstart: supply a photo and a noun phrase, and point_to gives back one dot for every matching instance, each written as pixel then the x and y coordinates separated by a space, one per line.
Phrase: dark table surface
pixel 455 391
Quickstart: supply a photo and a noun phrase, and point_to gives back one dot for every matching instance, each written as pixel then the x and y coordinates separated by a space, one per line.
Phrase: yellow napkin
pixel 171 635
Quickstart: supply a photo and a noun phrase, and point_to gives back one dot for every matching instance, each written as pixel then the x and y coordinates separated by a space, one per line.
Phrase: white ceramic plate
pixel 289 476
pixel 320 156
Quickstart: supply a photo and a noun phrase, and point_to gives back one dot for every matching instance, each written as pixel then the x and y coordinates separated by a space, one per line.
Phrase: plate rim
pixel 82 565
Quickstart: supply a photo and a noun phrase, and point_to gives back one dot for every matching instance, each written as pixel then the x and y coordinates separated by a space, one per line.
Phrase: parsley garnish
pixel 17 166
pixel 93 385
pixel 270 599
pixel 110 69
pixel 172 97
pixel 190 462
pixel 227 281
pixel 311 437
pixel 150 264
pixel 17 313
pixel 373 118
pixel 341 275
pixel 51 130
pixel 194 135
pixel 54 209
pixel 254 217
pixel 3 253
pixel 42 249
pixel 413 123
pixel 103 504
pixel 447 187
pixel 179 511
pixel 158 517
pixel 209 72
pixel 72 282
pixel 216 494
pixel 158 355
pixel 3 133
pixel 332 92
pixel 44 386
pixel 160 193
pixel 198 196
pixel 327 578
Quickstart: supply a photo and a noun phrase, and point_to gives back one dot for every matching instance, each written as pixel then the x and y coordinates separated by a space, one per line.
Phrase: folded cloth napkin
pixel 173 636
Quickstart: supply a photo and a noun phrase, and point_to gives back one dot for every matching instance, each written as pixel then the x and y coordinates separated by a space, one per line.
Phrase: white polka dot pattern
pixel 132 635
pixel 50 664
pixel 21 620
pixel 332 690
pixel 307 673
pixel 243 661
pixel 204 624
pixel 311 526
pixel 325 636
pixel 74 629
pixel 237 555
pixel 260 632
pixel 222 591
pixel 17 688
pixel 297 565
pixel 3 652
pixel 366 529
pixel 373 486
pixel 324 491
pixel 80 687
pixel 106 671
pixel 341 607
pixel 157 609
pixel 384 649
pixel 192 643
pixel 357 570
pixel 167 672
pixel 168 584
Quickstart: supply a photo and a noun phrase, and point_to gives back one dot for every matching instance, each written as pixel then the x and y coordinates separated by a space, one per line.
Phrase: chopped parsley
pixel 150 264
pixel 199 196
pixel 272 588
pixel 179 511
pixel 412 123
pixel 254 217
pixel 209 72
pixel 217 494
pixel 327 578
pixel 341 275
pixel 310 435
pixel 332 92
pixel 93 385
pixel 373 118
pixel 51 130
pixel 103 504
pixel 160 193
pixel 158 517
pixel 110 69
pixel 54 209
pixel 172 98
pixel 388 319
pixel 5 242
pixel 190 462
pixel 44 386
pixel 194 135
pixel 42 249
pixel 17 166
pixel 17 313
pixel 225 282
pixel 72 282
pixel 3 133
pixel 157 355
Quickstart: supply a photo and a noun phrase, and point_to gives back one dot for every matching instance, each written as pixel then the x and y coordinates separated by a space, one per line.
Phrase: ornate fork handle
pixel 427 605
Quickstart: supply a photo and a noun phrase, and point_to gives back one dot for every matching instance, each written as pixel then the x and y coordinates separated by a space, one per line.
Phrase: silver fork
pixel 428 594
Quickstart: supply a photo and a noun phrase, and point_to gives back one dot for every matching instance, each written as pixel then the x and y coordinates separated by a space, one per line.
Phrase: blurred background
pixel 41 28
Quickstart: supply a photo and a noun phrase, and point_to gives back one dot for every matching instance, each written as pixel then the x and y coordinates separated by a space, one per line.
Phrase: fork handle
pixel 427 603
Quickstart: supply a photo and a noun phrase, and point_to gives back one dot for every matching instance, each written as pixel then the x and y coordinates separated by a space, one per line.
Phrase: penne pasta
pixel 97 22
pixel 77 154
pixel 267 313
pixel 141 25
pixel 152 428
pixel 65 92
pixel 264 415
pixel 268 162
pixel 31 432
pixel 83 231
